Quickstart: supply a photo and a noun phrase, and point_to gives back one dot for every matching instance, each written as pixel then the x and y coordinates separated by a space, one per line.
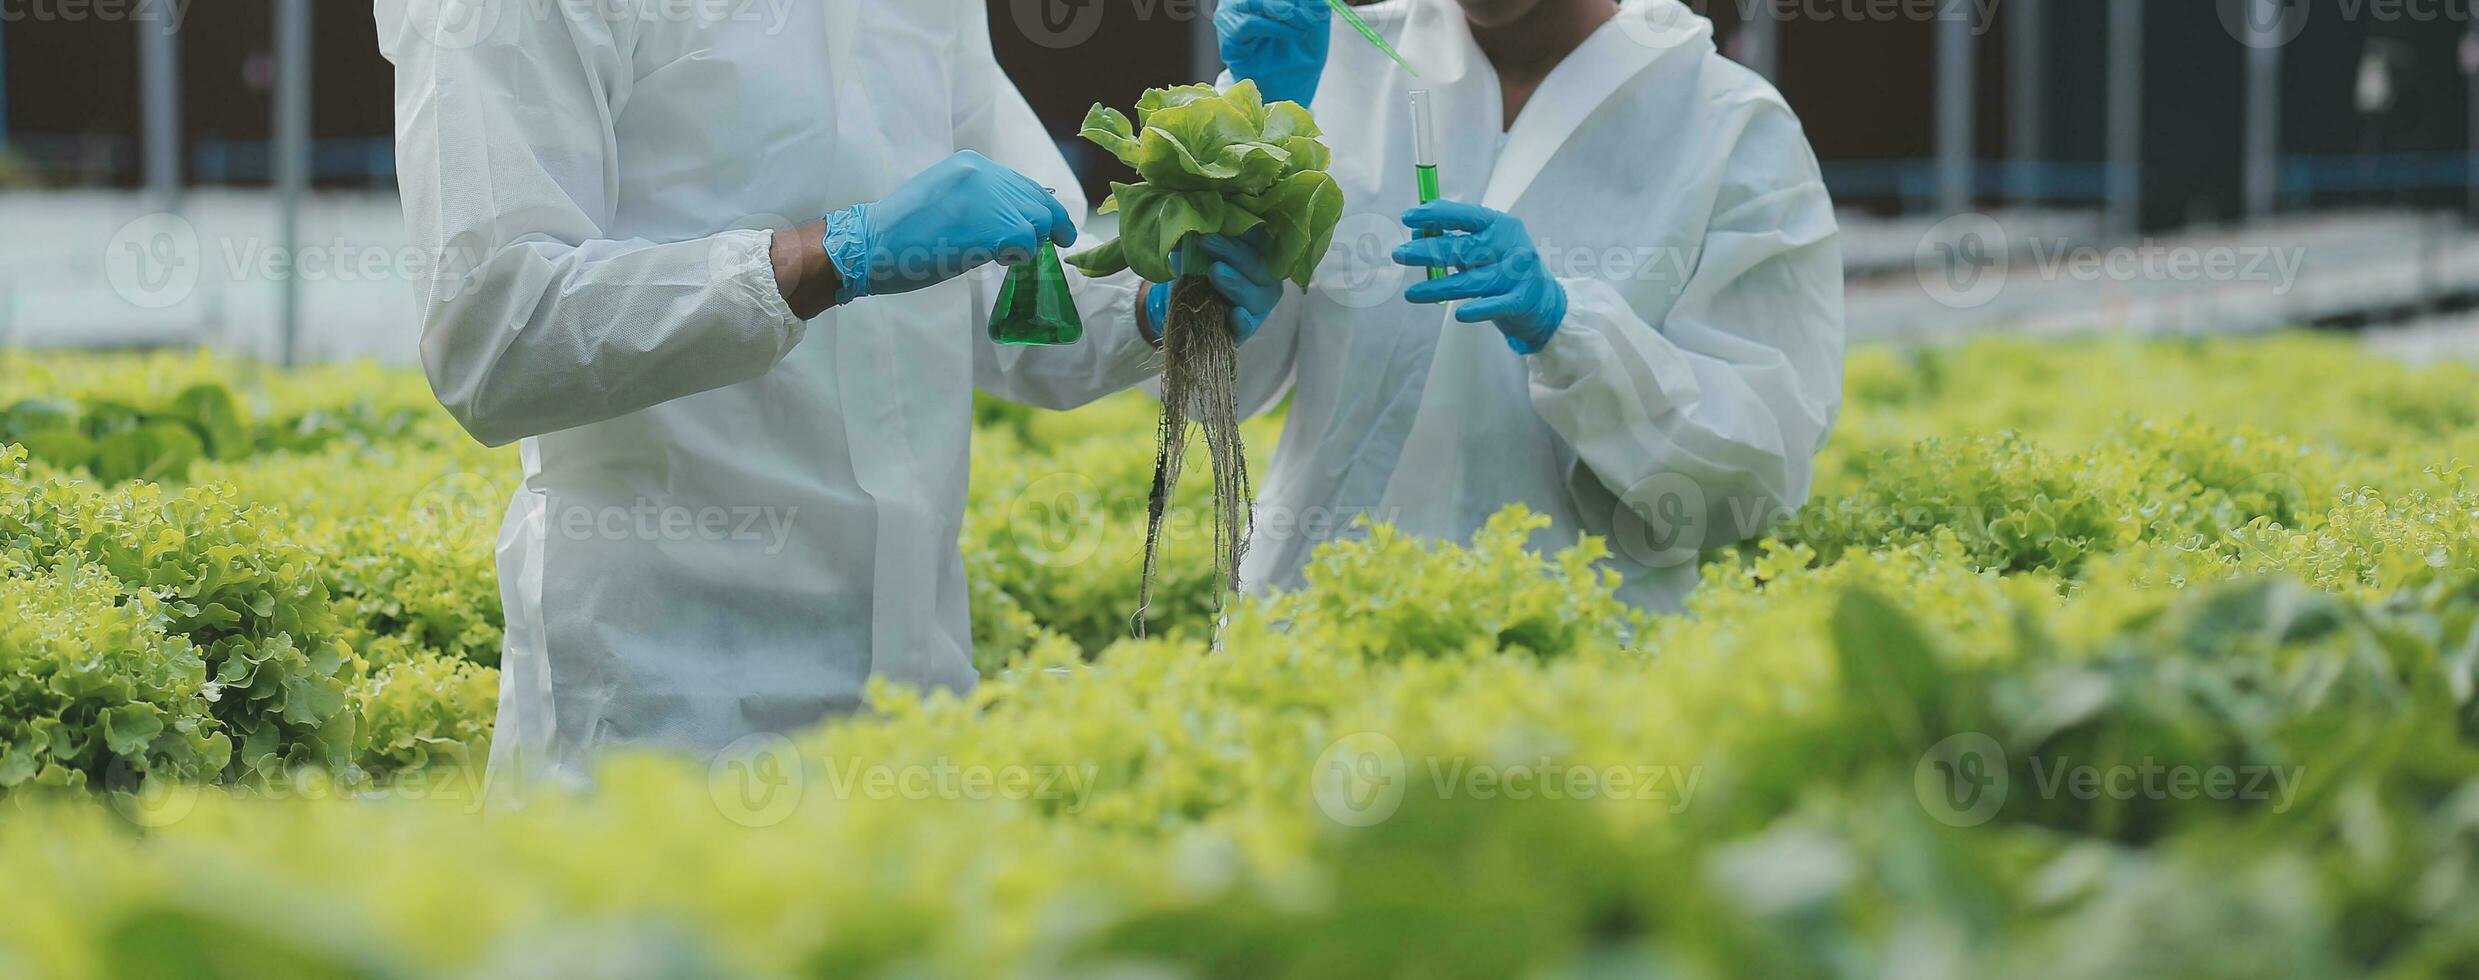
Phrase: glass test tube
pixel 1424 159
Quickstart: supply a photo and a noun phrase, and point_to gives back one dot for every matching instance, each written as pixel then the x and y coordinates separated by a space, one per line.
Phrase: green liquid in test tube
pixel 1424 160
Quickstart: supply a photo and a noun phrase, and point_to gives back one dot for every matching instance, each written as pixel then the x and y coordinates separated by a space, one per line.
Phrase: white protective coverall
pixel 730 519
pixel 1698 370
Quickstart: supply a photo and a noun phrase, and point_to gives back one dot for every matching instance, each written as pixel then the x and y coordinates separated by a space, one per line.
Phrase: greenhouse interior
pixel 1239 488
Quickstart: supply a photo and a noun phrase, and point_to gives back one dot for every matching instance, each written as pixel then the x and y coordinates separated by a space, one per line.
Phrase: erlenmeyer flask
pixel 1035 307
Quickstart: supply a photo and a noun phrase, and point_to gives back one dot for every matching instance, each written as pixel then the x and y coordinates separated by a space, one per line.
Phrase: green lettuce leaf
pixel 1215 163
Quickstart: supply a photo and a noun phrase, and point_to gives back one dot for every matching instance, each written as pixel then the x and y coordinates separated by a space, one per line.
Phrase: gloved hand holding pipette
pixel 1281 44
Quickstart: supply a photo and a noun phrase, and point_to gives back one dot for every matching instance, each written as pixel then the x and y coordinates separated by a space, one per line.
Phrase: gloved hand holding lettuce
pixel 1228 173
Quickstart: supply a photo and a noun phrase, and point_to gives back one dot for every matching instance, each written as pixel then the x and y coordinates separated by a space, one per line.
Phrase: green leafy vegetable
pixel 1214 162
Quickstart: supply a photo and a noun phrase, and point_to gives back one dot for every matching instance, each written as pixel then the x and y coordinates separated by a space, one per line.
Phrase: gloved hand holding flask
pixel 957 216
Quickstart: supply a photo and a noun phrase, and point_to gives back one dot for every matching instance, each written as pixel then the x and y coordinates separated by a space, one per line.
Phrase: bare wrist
pixel 807 277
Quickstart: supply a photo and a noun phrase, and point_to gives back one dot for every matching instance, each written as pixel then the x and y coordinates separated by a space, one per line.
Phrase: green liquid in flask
pixel 1035 307
pixel 1429 192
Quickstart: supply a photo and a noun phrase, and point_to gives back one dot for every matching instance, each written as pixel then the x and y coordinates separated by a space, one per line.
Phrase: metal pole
pixel 2264 107
pixel 2125 116
pixel 2470 139
pixel 292 155
pixel 1205 48
pixel 2027 97
pixel 1958 64
pixel 1762 46
pixel 4 83
pixel 159 86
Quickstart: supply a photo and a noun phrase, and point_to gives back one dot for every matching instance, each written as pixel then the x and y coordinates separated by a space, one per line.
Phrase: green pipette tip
pixel 1366 31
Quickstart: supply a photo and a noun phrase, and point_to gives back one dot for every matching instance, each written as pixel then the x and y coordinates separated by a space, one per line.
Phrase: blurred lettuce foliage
pixel 2236 582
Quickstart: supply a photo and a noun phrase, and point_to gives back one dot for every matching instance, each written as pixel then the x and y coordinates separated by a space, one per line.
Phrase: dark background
pixel 1864 91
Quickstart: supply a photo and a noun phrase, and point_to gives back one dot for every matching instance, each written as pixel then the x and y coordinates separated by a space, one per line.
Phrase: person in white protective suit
pixel 1640 219
pixel 744 430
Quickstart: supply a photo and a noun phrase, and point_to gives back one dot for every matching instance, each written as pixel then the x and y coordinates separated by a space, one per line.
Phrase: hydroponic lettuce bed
pixel 2102 660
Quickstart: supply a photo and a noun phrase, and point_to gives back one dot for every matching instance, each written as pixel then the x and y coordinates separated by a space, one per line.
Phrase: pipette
pixel 1424 160
pixel 1344 9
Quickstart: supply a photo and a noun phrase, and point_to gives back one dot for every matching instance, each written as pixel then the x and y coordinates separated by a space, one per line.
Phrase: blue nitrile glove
pixel 1280 44
pixel 1237 267
pixel 962 213
pixel 1500 271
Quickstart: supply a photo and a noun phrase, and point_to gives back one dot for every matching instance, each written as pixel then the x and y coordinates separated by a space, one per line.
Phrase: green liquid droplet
pixel 1035 307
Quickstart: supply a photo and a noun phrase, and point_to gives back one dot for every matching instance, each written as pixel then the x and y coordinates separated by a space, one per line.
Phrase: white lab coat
pixel 730 519
pixel 1699 367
